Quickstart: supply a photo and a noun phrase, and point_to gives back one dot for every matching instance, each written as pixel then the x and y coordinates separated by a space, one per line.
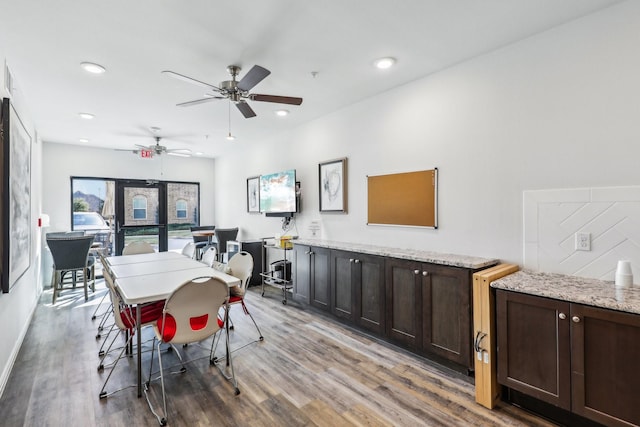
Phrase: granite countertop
pixel 410 254
pixel 597 293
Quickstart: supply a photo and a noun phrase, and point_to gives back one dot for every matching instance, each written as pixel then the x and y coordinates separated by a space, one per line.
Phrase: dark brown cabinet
pixel 428 308
pixel 577 357
pixel 312 276
pixel 533 346
pixel 357 289
pixel 302 271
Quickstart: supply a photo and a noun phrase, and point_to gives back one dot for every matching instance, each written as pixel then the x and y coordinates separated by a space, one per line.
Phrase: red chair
pixel 241 266
pixel 125 320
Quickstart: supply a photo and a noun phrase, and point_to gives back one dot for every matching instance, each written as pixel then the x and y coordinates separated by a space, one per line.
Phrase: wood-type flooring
pixel 309 371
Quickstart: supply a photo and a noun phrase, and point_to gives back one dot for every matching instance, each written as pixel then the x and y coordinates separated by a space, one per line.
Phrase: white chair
pixel 189 250
pixel 124 320
pixel 241 266
pixel 190 315
pixel 138 247
pixel 209 256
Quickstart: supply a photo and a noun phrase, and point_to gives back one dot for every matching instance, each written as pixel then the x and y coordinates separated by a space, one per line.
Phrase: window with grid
pixel 181 209
pixel 139 207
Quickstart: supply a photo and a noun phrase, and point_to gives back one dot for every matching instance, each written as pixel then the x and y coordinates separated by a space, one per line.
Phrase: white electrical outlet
pixel 583 241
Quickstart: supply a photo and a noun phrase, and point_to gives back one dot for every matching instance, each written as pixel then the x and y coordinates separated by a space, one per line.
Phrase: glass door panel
pixel 182 213
pixel 140 214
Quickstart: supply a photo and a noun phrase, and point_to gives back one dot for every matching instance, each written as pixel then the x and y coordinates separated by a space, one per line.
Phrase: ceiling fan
pixel 158 149
pixel 237 91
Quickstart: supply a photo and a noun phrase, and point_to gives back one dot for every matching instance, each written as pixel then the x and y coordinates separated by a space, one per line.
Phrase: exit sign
pixel 146 154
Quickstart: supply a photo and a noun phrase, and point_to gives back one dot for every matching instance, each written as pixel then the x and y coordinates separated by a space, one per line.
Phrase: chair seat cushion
pixel 148 313
pixel 235 298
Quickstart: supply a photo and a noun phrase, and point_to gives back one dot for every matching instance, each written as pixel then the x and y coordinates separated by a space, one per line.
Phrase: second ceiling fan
pixel 237 91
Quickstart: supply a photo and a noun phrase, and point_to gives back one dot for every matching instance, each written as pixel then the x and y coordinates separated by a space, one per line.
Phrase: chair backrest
pixel 124 316
pixel 191 312
pixel 138 247
pixel 189 250
pixel 116 302
pixel 209 256
pixel 197 239
pixel 70 252
pixel 241 265
pixel 223 235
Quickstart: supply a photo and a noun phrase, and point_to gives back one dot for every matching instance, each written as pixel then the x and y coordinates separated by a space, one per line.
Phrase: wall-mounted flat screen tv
pixel 278 192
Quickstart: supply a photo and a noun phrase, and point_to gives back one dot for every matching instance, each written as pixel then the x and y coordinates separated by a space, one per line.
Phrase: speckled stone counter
pixel 411 254
pixel 597 293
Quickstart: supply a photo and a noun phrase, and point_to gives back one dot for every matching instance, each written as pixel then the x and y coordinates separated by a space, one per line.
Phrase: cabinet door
pixel 368 273
pixel 342 284
pixel 301 281
pixel 320 279
pixel 605 349
pixel 403 302
pixel 446 309
pixel 533 346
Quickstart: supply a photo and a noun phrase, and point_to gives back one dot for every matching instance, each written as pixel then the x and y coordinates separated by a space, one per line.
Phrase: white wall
pixel 64 161
pixel 558 110
pixel 16 307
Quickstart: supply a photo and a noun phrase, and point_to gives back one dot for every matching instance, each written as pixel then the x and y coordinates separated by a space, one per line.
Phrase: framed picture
pixel 253 194
pixel 333 185
pixel 16 213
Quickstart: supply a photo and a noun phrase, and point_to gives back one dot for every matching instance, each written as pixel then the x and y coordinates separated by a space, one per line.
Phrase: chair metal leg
pixel 161 419
pixel 246 311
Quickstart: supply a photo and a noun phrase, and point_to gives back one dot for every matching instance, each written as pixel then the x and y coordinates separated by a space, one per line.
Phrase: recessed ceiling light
pixel 282 113
pixel 87 116
pixel 83 140
pixel 199 153
pixel 92 68
pixel 384 63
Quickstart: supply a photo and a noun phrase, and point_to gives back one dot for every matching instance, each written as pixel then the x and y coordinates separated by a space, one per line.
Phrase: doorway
pixel 159 212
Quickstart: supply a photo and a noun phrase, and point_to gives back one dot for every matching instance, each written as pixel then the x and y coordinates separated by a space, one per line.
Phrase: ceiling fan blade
pixel 199 101
pixel 179 152
pixel 245 109
pixel 255 75
pixel 275 98
pixel 189 79
pixel 144 147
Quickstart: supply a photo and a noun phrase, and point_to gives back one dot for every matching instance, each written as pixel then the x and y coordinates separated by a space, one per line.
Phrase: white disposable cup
pixel 624 280
pixel 624 267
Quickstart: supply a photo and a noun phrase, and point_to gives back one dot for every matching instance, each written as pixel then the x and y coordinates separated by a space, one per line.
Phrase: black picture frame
pixel 16 197
pixel 332 179
pixel 4 195
pixel 253 194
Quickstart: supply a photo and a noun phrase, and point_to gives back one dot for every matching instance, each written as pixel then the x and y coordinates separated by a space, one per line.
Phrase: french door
pixel 141 213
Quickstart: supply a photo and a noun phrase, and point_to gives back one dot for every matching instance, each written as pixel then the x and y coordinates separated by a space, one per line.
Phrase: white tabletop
pixel 131 259
pixel 151 267
pixel 158 286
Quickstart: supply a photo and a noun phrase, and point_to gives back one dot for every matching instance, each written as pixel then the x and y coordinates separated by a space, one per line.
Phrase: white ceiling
pixel 45 41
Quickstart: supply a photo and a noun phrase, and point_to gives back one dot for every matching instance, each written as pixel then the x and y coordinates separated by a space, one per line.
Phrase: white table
pixel 146 278
pixel 151 267
pixel 137 258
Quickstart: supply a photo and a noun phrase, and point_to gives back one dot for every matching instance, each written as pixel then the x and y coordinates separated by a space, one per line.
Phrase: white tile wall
pixel 553 217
